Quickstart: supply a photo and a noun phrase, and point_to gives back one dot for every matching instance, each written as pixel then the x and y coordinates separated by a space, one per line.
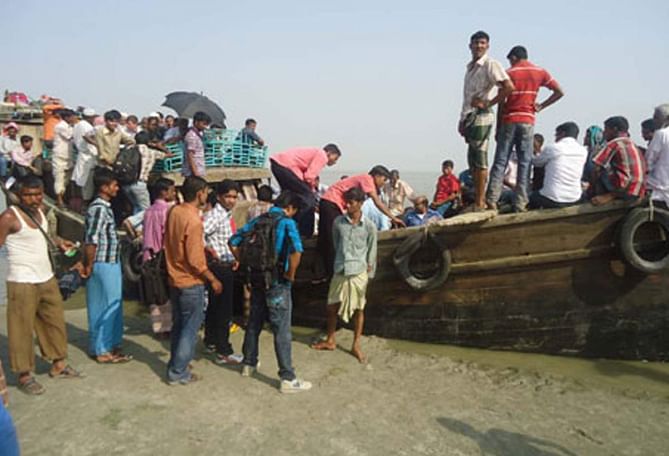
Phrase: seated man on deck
pixel 421 214
pixel 248 134
pixel 619 167
pixel 657 156
pixel 396 192
pixel 448 190
pixel 563 164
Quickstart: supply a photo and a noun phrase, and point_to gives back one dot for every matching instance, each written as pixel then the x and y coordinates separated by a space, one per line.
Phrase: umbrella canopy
pixel 186 104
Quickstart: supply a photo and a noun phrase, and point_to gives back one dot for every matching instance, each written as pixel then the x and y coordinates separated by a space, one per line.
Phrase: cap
pixel 89 112
pixel 154 114
pixel 10 125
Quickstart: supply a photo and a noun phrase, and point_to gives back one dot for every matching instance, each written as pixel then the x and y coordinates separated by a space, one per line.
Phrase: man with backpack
pixel 269 250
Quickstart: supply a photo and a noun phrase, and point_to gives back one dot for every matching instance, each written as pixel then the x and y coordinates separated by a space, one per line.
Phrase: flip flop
pixel 31 387
pixel 67 372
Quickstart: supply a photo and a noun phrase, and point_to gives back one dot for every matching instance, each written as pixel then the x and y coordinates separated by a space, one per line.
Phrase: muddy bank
pixel 407 401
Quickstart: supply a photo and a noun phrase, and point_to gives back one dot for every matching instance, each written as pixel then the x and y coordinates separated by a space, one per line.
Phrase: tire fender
pixel 402 259
pixel 631 223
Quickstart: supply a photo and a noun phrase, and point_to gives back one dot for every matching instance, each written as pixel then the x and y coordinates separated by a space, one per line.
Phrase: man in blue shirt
pixel 275 302
pixel 421 214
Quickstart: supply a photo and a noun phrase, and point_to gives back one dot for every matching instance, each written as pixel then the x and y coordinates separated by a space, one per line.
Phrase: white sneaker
pixel 230 359
pixel 247 370
pixel 294 386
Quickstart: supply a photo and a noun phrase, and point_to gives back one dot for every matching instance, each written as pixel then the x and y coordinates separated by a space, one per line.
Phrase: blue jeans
pixel 3 166
pixel 443 208
pixel 275 303
pixel 187 317
pixel 138 195
pixel 9 444
pixel 520 135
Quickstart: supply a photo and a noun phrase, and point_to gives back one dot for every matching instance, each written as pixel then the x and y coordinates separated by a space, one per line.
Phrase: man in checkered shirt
pixel 218 229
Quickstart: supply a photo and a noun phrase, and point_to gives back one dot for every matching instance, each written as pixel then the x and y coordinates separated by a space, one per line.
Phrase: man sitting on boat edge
pixel 657 157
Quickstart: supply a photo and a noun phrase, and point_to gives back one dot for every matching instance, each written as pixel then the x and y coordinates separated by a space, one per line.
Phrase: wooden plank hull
pixel 550 281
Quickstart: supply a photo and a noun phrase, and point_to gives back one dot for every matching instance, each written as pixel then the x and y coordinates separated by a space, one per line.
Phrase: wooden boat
pixel 549 281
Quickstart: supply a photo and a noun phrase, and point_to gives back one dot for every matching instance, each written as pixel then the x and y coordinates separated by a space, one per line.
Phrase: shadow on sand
pixel 498 442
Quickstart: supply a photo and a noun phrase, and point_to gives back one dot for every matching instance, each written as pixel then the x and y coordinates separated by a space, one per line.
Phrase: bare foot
pixel 600 200
pixel 355 351
pixel 324 345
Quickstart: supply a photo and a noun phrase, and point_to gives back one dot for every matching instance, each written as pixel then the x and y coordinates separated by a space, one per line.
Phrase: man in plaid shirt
pixel 621 168
pixel 218 229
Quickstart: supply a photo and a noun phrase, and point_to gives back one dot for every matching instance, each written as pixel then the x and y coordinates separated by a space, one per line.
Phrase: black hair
pixel 354 194
pixel 539 137
pixel 30 181
pixel 191 186
pixel 26 138
pixel 161 185
pixel 380 170
pixel 249 121
pixel 265 193
pixel 142 137
pixel 287 198
pixel 168 116
pixel 112 115
pixel 618 123
pixel 226 185
pixel 648 124
pixel 132 118
pixel 446 163
pixel 518 52
pixel 201 117
pixel 181 122
pixel 480 35
pixel 332 149
pixel 63 113
pixel 570 129
pixel 102 177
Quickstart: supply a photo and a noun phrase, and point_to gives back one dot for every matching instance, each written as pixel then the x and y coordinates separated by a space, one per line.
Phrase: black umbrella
pixel 186 104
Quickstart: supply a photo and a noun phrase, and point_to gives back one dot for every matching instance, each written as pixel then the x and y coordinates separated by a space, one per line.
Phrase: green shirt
pixel 355 246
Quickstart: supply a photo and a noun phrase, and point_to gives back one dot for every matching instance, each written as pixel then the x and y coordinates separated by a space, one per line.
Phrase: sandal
pixel 31 387
pixel 113 359
pixel 67 372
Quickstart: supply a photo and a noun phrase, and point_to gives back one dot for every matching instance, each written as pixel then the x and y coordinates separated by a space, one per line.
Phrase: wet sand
pixel 410 399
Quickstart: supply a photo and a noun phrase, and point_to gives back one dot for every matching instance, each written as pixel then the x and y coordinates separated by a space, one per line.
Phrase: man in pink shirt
pixel 297 170
pixel 156 215
pixel 332 205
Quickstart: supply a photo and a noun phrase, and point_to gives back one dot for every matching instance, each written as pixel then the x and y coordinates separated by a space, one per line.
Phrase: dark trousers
pixel 539 201
pixel 327 212
pixel 219 311
pixel 289 181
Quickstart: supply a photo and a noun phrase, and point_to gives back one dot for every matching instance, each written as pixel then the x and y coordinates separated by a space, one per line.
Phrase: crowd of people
pixel 205 254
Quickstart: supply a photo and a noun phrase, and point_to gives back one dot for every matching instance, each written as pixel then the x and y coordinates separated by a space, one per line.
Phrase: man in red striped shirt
pixel 620 168
pixel 515 120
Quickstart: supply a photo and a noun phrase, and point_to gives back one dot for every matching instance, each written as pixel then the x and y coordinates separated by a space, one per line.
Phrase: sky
pixel 382 79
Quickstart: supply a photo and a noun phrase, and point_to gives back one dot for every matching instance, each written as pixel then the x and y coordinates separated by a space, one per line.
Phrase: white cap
pixel 124 115
pixel 89 112
pixel 154 114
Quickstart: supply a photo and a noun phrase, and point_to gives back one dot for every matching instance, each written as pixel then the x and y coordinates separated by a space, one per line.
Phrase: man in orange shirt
pixel 51 118
pixel 187 272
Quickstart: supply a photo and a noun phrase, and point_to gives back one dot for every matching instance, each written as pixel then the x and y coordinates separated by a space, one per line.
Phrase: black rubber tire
pixel 131 260
pixel 402 259
pixel 631 223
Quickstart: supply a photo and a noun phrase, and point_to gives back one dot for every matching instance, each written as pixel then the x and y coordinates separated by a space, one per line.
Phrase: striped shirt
pixel 195 147
pixel 527 79
pixel 101 231
pixel 218 229
pixel 624 166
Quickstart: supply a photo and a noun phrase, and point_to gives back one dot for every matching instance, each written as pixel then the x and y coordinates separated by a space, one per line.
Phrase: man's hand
pixel 86 271
pixel 211 252
pixel 289 276
pixel 479 103
pixel 538 107
pixel 217 286
pixel 235 266
pixel 66 245
pixel 461 128
pixel 398 221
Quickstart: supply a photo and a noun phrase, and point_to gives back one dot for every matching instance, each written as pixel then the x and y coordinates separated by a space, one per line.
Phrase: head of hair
pixel 395 173
pixel 447 163
pixel 142 137
pixel 161 185
pixel 380 170
pixel 249 122
pixel 112 115
pixel 648 124
pixel 201 117
pixel 65 113
pixel 26 138
pixel 265 193
pixel 287 198
pixel 30 181
pixel 662 113
pixel 569 129
pixel 332 149
pixel 226 185
pixel 420 199
pixel 181 122
pixel 102 177
pixel 191 186
pixel 539 138
pixel 618 123
pixel 519 52
pixel 354 194
pixel 169 116
pixel 480 35
pixel 132 118
pixel 161 116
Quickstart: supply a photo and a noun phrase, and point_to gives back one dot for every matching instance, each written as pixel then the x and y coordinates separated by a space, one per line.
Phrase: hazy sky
pixel 383 79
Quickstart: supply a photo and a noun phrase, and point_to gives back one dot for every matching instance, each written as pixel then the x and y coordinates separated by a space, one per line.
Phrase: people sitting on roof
pixel 421 214
pixel 396 192
pixel 448 190
pixel 248 134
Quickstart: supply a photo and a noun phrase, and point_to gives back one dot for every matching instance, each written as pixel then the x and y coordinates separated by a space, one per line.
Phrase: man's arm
pixel 8 225
pixel 371 252
pixel 546 155
pixel 314 169
pixel 89 258
pixel 195 257
pixel 382 207
pixel 555 96
pixel 293 262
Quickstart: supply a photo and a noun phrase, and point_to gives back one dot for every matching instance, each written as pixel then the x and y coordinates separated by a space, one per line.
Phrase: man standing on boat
pixel 296 170
pixel 194 155
pixel 108 139
pixel 483 75
pixel 515 125
pixel 619 167
pixel 62 153
pixel 87 155
pixel 657 157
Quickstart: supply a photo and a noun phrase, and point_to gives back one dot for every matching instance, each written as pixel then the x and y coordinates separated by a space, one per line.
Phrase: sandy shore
pixel 401 403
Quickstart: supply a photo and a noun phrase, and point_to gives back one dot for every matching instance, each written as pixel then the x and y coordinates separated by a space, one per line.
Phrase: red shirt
pixel 624 165
pixel 305 162
pixel 335 193
pixel 527 79
pixel 446 186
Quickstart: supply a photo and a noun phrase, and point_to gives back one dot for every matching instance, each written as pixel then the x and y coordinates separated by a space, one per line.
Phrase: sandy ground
pixel 401 403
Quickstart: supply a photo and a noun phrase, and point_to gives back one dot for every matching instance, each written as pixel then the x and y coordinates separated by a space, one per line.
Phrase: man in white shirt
pixel 62 153
pixel 87 155
pixel 657 157
pixel 563 163
pixel 8 143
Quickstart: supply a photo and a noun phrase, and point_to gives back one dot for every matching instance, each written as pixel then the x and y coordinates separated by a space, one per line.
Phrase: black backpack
pixel 128 165
pixel 154 288
pixel 258 260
